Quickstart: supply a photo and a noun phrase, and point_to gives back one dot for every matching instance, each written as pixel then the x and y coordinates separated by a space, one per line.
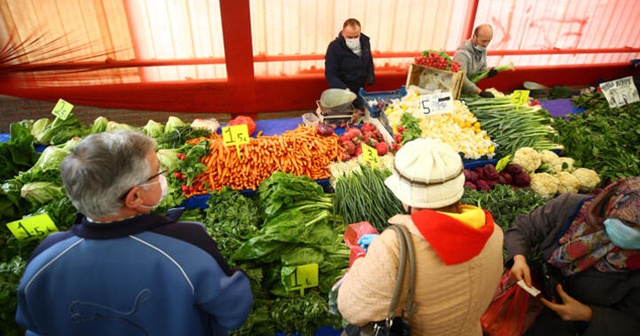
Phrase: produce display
pixel 513 126
pixel 301 151
pixel 602 138
pixel 458 128
pixel 289 220
pixel 437 59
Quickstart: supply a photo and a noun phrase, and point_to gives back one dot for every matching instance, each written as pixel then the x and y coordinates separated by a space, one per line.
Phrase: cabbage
pixel 50 159
pixel 39 193
pixel 153 129
pixel 115 126
pixel 39 126
pixel 99 125
pixel 172 124
pixel 169 158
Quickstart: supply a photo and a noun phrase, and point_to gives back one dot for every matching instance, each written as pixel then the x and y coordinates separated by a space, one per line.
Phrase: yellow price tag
pixel 305 276
pixel 62 109
pixel 31 227
pixel 235 135
pixel 370 155
pixel 520 97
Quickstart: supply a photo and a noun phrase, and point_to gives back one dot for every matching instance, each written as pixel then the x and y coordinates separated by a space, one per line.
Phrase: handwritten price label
pixel 305 276
pixel 235 135
pixel 31 227
pixel 520 97
pixel 62 109
pixel 436 103
pixel 370 155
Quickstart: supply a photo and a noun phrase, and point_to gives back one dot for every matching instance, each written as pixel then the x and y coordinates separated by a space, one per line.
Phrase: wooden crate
pixel 435 79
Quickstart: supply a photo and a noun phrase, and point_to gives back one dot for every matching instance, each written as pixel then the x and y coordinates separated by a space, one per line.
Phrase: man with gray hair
pixel 122 270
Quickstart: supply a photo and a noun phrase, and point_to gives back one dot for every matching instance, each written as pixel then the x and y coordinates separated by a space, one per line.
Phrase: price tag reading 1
pixel 31 227
pixel 520 97
pixel 305 276
pixel 62 109
pixel 370 155
pixel 235 135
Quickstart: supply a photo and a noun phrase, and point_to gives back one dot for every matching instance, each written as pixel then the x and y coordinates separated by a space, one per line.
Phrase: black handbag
pixel 395 325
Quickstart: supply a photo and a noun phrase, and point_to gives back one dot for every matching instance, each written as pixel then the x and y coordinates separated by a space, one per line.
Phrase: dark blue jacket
pixel 146 275
pixel 344 69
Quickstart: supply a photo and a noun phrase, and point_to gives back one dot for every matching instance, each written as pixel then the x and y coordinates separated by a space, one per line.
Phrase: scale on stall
pixel 336 106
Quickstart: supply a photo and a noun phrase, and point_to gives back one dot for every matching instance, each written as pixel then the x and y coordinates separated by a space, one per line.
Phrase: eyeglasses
pixel 160 172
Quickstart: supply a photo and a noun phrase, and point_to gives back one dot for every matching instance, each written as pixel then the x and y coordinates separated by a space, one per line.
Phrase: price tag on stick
pixel 370 155
pixel 62 109
pixel 520 97
pixel 305 276
pixel 31 227
pixel 235 136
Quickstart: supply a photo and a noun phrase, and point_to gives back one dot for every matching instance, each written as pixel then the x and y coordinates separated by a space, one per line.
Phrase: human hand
pixel 492 72
pixel 520 270
pixel 486 94
pixel 366 240
pixel 570 309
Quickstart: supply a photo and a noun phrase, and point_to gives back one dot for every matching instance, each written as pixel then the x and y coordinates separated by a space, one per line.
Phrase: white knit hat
pixel 427 173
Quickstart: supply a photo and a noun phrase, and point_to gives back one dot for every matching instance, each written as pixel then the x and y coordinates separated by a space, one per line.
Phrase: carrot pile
pixel 300 151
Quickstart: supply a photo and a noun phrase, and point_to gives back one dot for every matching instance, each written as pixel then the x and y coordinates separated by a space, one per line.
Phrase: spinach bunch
pixel 601 138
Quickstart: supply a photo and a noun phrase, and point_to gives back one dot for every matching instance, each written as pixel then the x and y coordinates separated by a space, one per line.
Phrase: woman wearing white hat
pixel 459 249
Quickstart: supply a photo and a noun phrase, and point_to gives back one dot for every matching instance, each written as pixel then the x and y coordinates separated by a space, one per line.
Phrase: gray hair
pixel 103 167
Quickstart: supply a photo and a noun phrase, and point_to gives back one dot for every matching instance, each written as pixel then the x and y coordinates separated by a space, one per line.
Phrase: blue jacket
pixel 146 275
pixel 344 69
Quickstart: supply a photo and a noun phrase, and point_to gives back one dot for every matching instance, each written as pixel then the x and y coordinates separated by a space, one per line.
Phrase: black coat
pixel 344 69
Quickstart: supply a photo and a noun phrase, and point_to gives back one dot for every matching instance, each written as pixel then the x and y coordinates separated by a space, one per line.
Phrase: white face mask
pixel 480 48
pixel 164 187
pixel 353 43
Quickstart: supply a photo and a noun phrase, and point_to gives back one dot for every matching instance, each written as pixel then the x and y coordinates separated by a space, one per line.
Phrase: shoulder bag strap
pixel 410 307
pixel 401 271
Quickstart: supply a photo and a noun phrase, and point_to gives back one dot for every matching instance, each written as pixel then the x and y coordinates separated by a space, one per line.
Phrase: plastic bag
pixel 512 310
pixel 352 233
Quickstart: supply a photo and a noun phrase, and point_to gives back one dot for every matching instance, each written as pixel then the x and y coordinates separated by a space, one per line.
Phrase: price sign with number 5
pixel 31 227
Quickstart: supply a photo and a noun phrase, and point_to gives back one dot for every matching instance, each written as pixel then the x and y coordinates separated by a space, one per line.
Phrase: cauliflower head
pixel 550 161
pixel 588 178
pixel 528 158
pixel 544 184
pixel 567 183
pixel 568 164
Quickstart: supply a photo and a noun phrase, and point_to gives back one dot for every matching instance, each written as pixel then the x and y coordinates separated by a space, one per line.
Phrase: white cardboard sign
pixel 436 103
pixel 620 92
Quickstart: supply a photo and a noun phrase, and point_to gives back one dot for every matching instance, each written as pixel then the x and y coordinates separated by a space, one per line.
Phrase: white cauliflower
pixel 528 158
pixel 550 161
pixel 588 179
pixel 544 184
pixel 567 183
pixel 567 164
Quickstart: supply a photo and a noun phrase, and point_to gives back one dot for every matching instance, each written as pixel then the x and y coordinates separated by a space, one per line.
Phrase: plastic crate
pixel 371 99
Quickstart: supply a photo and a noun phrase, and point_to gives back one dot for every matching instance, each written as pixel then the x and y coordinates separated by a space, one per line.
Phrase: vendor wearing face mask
pixel 348 61
pixel 590 249
pixel 122 270
pixel 472 56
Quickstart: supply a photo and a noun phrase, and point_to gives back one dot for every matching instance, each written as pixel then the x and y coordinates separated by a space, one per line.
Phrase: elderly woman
pixel 122 270
pixel 458 249
pixel 593 245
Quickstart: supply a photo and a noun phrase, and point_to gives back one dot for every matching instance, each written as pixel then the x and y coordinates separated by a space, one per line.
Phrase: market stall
pixel 516 155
